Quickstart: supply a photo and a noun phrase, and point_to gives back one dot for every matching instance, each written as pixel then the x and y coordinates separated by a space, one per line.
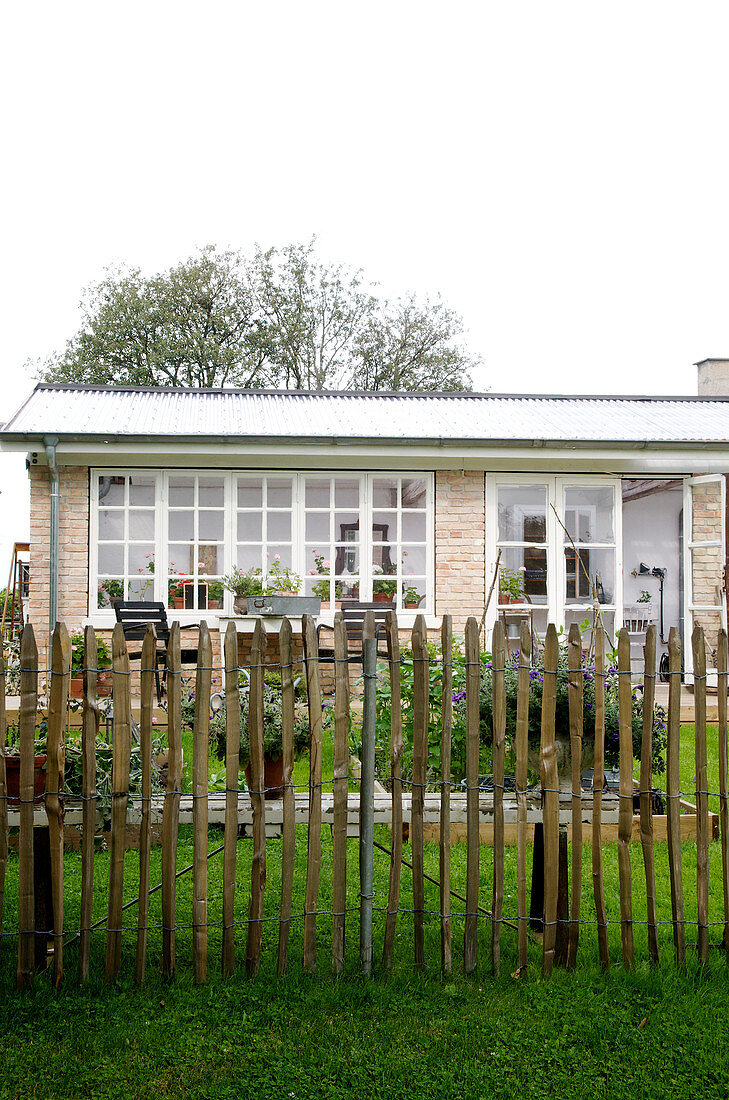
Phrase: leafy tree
pixel 282 318
pixel 411 346
pixel 195 325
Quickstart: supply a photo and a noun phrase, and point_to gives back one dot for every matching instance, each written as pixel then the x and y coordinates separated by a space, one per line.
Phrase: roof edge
pixel 413 394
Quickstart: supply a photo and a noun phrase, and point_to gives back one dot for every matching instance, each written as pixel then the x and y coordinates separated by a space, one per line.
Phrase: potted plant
pixel 215 595
pixel 242 585
pixel 272 734
pixel 109 590
pixel 12 769
pixel 383 591
pixel 281 580
pixel 410 596
pixel 176 590
pixel 78 663
pixel 511 584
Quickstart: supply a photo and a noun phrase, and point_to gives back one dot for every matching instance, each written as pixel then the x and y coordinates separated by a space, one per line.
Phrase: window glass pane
pixel 279 526
pixel 279 492
pixel 588 514
pixel 413 493
pixel 209 559
pixel 526 567
pixel 591 566
pixel 318 560
pixel 141 490
pixel 385 492
pixel 211 492
pixel 283 553
pixel 182 491
pixel 317 526
pixel 413 559
pixel 248 557
pixel 210 525
pixel 141 524
pixel 250 492
pixel 522 513
pixel 384 527
pixel 346 526
pixel 250 527
pixel 139 588
pixel 111 525
pixel 579 617
pixel 317 586
pixel 346 493
pixel 316 493
pixel 181 525
pixel 110 588
pixel 413 591
pixel 141 557
pixel 346 559
pixel 181 558
pixel 111 558
pixel 111 491
pixel 414 526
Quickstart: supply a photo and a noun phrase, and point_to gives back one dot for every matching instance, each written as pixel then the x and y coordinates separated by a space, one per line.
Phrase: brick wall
pixel 459 545
pixel 706 562
pixel 73 540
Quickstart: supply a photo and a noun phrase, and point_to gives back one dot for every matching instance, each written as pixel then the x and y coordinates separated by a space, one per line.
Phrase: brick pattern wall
pixel 73 541
pixel 706 562
pixel 459 545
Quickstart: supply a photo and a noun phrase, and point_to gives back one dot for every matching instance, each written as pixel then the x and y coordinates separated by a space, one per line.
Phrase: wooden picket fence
pixel 345 803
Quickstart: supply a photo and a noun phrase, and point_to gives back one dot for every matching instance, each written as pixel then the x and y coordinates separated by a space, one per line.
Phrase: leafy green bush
pixel 458 738
pixel 103 653
pixel 536 687
pixel 272 719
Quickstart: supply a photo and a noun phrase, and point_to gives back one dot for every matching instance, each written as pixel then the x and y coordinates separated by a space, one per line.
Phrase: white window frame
pixel 104 617
pixel 556 603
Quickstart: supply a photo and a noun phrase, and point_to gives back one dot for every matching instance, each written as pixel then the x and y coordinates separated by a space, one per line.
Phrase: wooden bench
pixel 135 616
pixel 353 614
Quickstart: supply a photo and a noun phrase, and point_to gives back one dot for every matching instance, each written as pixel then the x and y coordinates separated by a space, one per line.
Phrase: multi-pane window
pixel 126 537
pixel 195 540
pixel 332 537
pixel 399 539
pixel 559 540
pixel 264 522
pixel 173 536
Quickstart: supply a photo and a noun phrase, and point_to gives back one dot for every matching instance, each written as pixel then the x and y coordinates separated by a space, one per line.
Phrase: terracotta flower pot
pixel 12 772
pixel 272 777
pixel 103 684
pixel 382 597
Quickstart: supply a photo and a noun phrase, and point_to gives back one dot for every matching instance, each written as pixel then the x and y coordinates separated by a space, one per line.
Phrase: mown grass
pixel 653 1032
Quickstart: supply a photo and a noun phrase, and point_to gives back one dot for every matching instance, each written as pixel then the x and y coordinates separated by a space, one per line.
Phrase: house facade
pixel 158 494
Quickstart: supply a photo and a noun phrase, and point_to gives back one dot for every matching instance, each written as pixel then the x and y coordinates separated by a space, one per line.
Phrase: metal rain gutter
pixel 50 442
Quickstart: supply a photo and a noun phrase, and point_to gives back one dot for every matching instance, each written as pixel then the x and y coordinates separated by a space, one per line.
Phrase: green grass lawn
pixel 649 1033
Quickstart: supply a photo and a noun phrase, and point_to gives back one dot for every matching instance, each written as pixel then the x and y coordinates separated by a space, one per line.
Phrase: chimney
pixel 713 377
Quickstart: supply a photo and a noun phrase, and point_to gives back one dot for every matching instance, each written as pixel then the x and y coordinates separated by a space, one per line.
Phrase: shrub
pixel 458 737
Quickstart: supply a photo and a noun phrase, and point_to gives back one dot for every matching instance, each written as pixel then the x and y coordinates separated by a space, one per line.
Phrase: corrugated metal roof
pixel 99 412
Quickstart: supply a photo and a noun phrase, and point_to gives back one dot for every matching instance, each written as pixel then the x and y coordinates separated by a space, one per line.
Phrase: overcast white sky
pixel 557 171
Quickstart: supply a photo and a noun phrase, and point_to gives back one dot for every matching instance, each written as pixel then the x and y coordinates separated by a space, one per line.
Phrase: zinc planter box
pixel 292 606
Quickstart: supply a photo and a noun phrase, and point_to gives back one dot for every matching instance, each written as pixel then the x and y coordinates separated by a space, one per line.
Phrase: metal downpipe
pixel 50 442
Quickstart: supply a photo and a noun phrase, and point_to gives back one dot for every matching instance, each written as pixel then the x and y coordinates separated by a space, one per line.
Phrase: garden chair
pixel 135 616
pixel 353 613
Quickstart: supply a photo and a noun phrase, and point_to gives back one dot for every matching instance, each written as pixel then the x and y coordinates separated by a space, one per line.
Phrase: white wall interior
pixel 652 534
